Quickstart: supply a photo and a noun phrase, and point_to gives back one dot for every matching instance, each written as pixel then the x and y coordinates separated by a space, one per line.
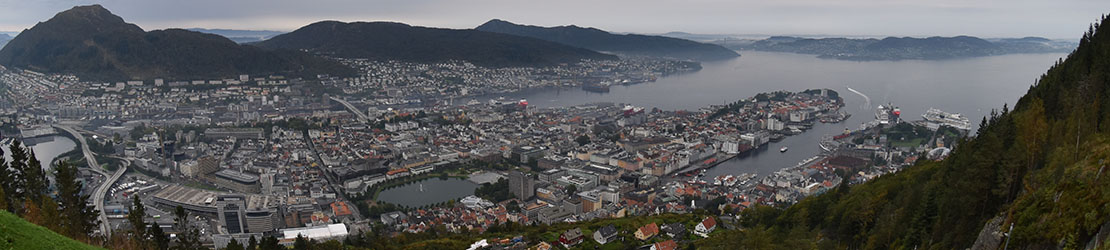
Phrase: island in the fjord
pixel 899 48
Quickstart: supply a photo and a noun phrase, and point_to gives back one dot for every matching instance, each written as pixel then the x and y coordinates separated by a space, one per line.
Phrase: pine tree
pixel 35 178
pixel 234 245
pixel 158 237
pixel 138 223
pixel 16 193
pixel 252 243
pixel 6 186
pixel 301 243
pixel 51 216
pixel 181 219
pixel 189 238
pixel 81 219
pixel 270 243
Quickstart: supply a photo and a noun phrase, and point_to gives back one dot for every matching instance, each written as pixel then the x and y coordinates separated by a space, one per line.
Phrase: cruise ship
pixel 936 118
pixel 887 115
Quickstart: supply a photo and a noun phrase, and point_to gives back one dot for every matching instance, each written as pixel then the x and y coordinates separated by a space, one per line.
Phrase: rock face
pixel 991 237
pixel 631 44
pixel 94 44
pixel 397 41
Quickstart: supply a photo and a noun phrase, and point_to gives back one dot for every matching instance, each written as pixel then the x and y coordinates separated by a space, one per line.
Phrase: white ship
pixel 936 118
pixel 887 115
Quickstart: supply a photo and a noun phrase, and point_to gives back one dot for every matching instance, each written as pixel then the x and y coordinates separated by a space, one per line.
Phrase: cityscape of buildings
pixel 268 155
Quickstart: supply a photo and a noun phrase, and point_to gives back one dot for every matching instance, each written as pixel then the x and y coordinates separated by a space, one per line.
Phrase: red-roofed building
pixel 705 227
pixel 647 231
pixel 666 245
pixel 340 208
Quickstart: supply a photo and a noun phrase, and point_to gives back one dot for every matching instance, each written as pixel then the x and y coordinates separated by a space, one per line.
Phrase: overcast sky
pixel 985 18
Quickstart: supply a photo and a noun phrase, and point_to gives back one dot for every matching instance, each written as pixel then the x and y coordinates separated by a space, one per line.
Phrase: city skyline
pixel 795 17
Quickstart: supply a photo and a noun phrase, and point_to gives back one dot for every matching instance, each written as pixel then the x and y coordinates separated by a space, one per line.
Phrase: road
pixel 361 116
pixel 335 183
pixel 102 190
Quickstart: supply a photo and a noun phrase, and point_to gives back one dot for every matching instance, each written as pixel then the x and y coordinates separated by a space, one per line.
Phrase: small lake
pixel 427 192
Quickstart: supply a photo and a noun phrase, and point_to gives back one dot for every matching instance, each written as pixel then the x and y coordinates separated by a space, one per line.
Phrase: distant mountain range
pixel 901 48
pixel 4 38
pixel 397 41
pixel 630 44
pixel 241 36
pixel 94 44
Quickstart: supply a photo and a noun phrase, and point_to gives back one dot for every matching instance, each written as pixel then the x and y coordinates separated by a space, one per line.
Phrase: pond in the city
pixel 428 192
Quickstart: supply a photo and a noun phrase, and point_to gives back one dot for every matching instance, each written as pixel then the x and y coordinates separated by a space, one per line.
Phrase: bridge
pixel 102 190
pixel 361 116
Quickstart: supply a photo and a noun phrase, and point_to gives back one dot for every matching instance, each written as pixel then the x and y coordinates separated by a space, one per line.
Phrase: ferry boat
pixel 936 118
pixel 783 149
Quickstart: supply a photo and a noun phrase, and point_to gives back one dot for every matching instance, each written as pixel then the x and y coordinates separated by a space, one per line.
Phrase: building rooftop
pixel 204 198
pixel 316 232
pixel 237 176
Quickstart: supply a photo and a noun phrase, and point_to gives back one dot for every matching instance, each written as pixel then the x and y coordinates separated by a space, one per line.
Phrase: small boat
pixel 783 149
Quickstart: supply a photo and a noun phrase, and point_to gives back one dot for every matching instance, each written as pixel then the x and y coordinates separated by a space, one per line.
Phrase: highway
pixel 361 116
pixel 102 190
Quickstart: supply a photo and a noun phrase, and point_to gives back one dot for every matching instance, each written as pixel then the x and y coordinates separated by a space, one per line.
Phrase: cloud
pixel 987 18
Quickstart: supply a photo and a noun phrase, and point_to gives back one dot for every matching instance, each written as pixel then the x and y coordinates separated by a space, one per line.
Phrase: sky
pixel 1058 19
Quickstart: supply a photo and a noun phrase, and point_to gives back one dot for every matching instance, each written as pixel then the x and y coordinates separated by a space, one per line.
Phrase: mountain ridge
pixel 94 44
pixel 600 40
pixel 398 41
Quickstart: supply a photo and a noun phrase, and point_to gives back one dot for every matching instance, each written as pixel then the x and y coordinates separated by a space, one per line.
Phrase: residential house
pixel 674 230
pixel 705 227
pixel 665 245
pixel 571 237
pixel 647 231
pixel 605 234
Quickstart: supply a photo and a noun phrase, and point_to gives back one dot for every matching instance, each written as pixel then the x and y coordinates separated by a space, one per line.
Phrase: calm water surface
pixel 434 191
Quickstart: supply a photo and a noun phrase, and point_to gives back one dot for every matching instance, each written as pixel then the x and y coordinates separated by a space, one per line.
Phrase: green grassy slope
pixel 16 233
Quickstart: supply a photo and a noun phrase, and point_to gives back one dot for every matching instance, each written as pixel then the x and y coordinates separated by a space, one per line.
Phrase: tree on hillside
pixel 188 238
pixel 158 237
pixel 7 187
pixel 35 179
pixel 138 223
pixel 252 243
pixel 301 243
pixel 234 245
pixel 80 218
pixel 17 191
pixel 270 243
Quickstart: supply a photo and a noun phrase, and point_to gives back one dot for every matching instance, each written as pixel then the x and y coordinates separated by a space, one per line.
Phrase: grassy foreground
pixel 16 233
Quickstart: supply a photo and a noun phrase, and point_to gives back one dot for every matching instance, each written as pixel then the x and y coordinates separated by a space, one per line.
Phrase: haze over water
pixel 970 86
